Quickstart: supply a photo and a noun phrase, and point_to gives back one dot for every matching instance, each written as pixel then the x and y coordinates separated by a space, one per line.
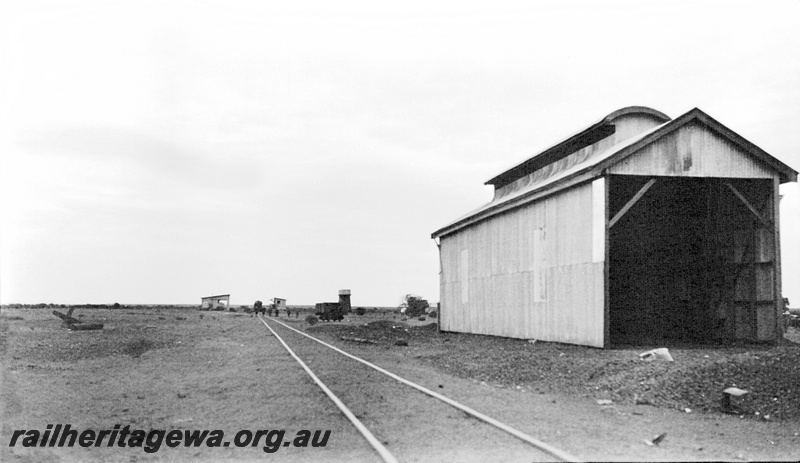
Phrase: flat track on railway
pixel 372 397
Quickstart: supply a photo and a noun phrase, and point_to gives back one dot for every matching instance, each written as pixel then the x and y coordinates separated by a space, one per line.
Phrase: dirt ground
pixel 185 369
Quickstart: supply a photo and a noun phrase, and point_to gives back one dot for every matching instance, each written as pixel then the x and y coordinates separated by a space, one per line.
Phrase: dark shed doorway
pixel 691 260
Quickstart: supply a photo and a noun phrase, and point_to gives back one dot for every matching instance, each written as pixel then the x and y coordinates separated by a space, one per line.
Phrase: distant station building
pixel 279 303
pixel 637 229
pixel 220 302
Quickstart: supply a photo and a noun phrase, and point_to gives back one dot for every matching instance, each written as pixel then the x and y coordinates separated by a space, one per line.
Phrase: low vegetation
pixel 413 306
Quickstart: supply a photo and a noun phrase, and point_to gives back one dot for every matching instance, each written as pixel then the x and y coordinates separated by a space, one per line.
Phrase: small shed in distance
pixel 220 302
pixel 638 229
pixel 279 303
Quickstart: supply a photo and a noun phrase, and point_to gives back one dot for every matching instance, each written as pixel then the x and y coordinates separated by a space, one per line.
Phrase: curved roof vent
pixel 588 136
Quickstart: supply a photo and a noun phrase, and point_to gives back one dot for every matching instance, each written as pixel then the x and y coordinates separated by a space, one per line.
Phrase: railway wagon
pixel 329 311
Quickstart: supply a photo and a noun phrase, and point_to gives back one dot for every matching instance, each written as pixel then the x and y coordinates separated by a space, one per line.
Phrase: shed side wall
pixel 530 274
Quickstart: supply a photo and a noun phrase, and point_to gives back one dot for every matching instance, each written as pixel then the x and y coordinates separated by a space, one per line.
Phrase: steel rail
pixel 487 419
pixel 383 451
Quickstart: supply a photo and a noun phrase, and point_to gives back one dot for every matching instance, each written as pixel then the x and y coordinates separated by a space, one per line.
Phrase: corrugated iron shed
pixel 610 215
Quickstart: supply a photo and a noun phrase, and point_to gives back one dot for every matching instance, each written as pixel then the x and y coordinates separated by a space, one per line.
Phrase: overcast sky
pixel 160 151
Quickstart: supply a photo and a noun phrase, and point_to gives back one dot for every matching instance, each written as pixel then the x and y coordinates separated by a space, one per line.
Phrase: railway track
pixel 364 386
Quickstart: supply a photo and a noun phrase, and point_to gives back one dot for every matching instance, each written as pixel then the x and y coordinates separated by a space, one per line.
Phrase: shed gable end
pixel 693 150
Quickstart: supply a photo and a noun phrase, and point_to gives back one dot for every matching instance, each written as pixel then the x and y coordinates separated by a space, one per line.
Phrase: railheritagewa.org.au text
pixel 271 440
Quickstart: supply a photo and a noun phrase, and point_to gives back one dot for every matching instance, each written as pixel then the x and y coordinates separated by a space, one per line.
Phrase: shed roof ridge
pixel 586 130
pixel 595 165
pixel 577 168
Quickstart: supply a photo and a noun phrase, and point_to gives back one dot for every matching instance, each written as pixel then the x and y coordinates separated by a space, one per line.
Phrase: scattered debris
pixel 361 340
pixel 661 353
pixel 656 440
pixel 735 391
pixel 401 342
pixel 531 341
pixel 615 374
pixel 75 324
pixel 85 326
pixel 605 402
pixel 67 318
pixel 727 402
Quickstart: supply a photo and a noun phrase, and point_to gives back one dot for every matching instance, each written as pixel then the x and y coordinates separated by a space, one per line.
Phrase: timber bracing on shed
pixel 637 229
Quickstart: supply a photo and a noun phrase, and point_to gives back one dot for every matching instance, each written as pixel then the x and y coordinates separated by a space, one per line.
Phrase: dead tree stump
pixel 75 324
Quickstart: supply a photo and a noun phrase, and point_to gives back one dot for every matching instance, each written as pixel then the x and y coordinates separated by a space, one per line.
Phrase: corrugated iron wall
pixel 529 273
